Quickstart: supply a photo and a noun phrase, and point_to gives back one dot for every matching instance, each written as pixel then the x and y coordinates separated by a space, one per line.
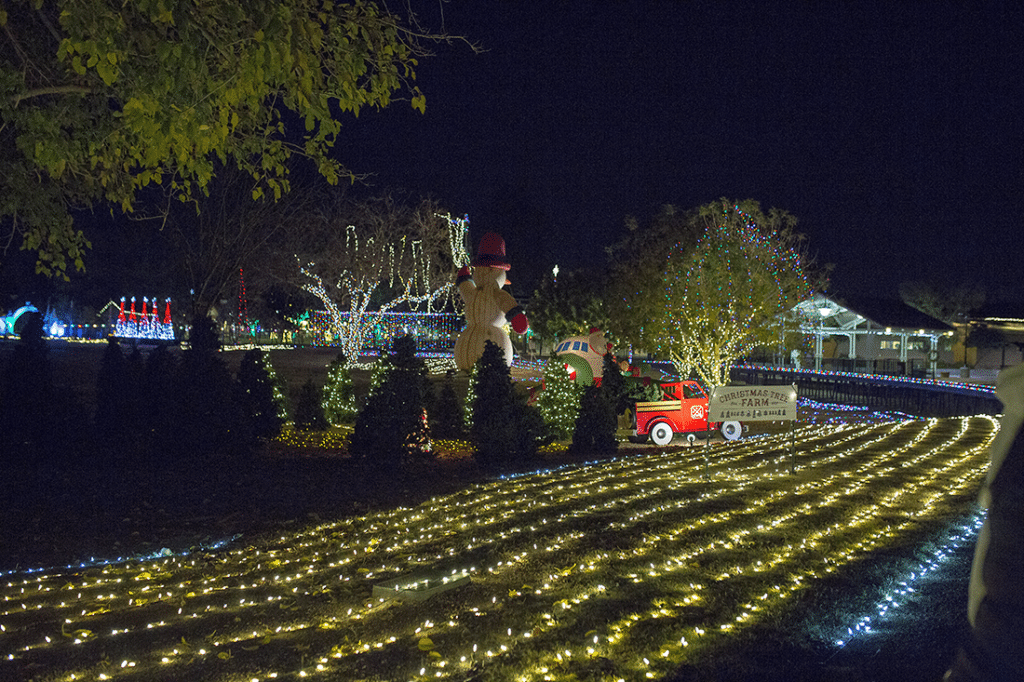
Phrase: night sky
pixel 891 130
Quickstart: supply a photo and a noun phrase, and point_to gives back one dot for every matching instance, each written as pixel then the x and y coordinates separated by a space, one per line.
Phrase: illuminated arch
pixel 8 321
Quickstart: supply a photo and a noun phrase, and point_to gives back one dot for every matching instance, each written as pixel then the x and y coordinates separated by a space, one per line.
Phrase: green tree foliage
pixel 100 100
pixel 390 430
pixel 559 401
pixel 638 268
pixel 446 419
pixel 339 393
pixel 256 395
pixel 505 430
pixel 570 305
pixel 309 409
pixel 731 291
pixel 950 303
pixel 594 432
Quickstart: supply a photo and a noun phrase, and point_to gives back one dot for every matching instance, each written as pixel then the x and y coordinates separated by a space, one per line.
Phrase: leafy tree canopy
pixel 568 305
pixel 947 302
pixel 638 265
pixel 100 100
pixel 730 292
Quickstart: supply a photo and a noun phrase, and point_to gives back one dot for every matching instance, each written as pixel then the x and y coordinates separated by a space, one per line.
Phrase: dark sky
pixel 891 130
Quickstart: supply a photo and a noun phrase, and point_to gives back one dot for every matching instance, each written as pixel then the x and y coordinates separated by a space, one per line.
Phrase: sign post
pixel 755 404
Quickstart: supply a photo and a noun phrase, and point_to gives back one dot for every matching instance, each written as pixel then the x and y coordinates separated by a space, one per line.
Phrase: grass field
pixel 646 566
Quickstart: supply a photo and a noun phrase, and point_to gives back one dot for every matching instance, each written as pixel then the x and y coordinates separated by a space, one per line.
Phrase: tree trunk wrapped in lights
pixel 390 258
pixel 731 291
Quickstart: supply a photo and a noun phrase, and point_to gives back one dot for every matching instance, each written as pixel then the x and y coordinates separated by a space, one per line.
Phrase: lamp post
pixel 824 311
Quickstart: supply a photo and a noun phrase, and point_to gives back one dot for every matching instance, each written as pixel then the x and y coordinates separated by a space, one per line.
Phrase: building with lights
pixel 874 336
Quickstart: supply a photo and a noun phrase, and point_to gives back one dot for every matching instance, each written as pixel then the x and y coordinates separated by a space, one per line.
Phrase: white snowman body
pixel 486 306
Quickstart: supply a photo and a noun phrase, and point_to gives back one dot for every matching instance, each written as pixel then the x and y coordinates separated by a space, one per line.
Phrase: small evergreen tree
pixel 614 384
pixel 26 421
pixel 559 401
pixel 280 397
pixel 256 395
pixel 447 420
pixel 392 427
pixel 309 408
pixel 596 425
pixel 207 417
pixel 494 430
pixel 339 393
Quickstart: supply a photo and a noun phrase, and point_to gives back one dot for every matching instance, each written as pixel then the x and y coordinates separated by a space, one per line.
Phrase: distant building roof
pixel 893 313
pixel 865 316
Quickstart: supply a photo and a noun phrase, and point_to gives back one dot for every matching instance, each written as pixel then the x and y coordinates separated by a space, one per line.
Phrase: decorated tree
pixel 595 427
pixel 256 395
pixel 380 256
pixel 731 291
pixel 309 409
pixel 339 393
pixel 391 428
pixel 102 100
pixel 559 401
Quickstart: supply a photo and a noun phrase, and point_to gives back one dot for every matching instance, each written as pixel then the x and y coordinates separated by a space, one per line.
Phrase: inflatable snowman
pixel 488 306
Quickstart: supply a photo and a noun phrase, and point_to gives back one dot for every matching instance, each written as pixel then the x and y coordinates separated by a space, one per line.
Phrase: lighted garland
pixel 403 265
pixel 544 552
pixel 434 332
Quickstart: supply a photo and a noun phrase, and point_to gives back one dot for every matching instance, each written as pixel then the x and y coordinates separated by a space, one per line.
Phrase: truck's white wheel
pixel 731 430
pixel 661 433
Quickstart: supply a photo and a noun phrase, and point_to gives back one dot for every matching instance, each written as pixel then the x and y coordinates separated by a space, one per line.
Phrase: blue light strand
pixel 158 554
pixel 956 534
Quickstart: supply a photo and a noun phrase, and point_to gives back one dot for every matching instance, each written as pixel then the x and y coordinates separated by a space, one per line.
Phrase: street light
pixel 824 311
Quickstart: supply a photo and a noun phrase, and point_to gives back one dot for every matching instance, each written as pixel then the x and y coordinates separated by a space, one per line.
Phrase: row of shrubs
pixel 163 408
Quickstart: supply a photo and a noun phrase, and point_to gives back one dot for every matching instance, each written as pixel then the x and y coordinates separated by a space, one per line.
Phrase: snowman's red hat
pixel 491 253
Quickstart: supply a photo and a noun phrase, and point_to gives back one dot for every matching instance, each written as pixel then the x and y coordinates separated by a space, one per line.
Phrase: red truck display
pixel 682 409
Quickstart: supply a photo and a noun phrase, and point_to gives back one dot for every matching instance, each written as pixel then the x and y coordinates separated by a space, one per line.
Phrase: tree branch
pixel 52 90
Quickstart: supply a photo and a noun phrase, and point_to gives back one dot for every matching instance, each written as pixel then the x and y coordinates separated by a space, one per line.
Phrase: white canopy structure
pixel 875 325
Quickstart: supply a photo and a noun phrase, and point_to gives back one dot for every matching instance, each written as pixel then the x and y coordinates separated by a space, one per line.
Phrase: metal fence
pixel 922 398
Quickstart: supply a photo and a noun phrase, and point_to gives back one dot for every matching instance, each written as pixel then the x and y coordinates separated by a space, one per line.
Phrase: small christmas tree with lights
pixel 392 427
pixel 596 424
pixel 309 409
pixel 339 393
pixel 256 395
pixel 559 401
pixel 446 420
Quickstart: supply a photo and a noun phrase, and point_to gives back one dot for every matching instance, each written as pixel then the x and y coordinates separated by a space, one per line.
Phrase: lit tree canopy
pixel 364 259
pixel 731 291
pixel 100 99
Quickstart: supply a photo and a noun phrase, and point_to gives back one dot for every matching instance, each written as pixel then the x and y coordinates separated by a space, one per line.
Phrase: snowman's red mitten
pixel 462 275
pixel 518 319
